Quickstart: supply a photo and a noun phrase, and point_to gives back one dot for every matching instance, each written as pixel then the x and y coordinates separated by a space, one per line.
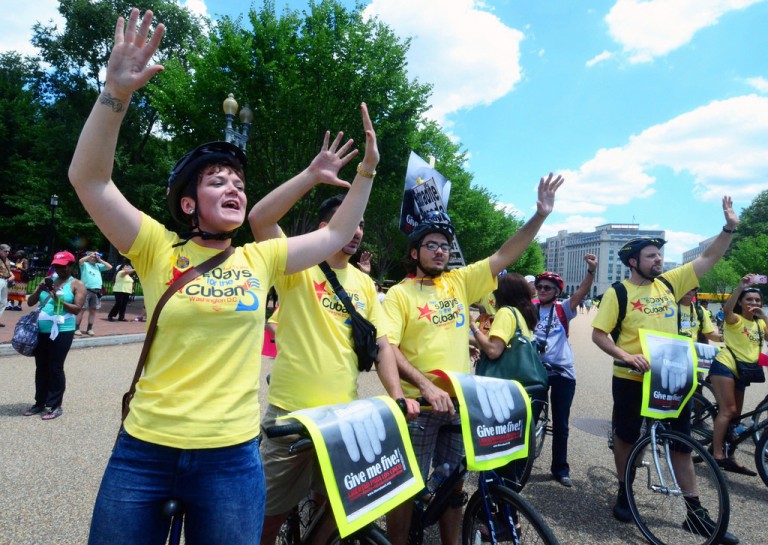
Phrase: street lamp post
pixel 238 138
pixel 53 203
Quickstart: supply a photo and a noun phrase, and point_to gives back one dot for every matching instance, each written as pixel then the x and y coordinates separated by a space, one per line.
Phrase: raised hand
pixel 731 218
pixel 591 261
pixel 547 189
pixel 128 68
pixel 371 158
pixel 365 262
pixel 326 165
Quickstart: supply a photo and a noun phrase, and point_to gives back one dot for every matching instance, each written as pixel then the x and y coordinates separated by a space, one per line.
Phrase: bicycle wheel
pixel 703 414
pixel 505 514
pixel 761 415
pixel 761 457
pixel 662 507
pixel 370 535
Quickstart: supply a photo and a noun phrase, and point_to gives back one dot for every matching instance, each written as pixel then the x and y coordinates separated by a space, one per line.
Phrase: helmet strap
pixel 186 237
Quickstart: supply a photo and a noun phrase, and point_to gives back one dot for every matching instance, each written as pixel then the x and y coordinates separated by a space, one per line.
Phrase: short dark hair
pixel 328 207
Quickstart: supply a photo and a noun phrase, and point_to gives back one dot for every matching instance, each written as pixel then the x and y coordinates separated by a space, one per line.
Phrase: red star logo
pixel 425 311
pixel 319 289
pixel 176 275
pixel 637 305
pixel 492 302
pixel 745 331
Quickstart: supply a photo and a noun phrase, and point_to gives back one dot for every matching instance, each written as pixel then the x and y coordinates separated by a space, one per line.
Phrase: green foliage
pixel 749 254
pixel 301 73
pixel 722 278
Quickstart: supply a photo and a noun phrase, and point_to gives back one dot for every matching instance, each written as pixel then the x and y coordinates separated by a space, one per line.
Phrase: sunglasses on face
pixel 433 246
pixel 545 288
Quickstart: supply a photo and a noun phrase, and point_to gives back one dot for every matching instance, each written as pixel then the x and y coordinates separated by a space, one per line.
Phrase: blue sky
pixel 652 110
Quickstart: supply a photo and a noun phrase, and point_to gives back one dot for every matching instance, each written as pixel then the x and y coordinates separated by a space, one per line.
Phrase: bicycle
pixel 495 513
pixel 752 422
pixel 663 510
pixel 310 517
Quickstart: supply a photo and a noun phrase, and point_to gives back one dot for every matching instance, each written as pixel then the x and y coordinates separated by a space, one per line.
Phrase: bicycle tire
pixel 369 535
pixel 761 457
pixel 761 415
pixel 703 414
pixel 662 515
pixel 512 517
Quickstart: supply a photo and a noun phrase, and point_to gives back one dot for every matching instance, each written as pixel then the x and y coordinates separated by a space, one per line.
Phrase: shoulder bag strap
pixel 337 287
pixel 518 317
pixel 189 275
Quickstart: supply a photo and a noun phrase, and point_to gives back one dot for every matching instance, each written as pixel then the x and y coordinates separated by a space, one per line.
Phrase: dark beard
pixel 431 271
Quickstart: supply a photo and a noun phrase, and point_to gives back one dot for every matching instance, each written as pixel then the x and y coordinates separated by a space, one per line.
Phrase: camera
pixel 48 281
pixel 760 279
pixel 541 346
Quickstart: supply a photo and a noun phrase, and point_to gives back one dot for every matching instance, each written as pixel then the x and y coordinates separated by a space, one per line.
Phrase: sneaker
pixel 110 319
pixel 698 522
pixel 621 511
pixel 34 409
pixel 78 333
pixel 91 332
pixel 565 481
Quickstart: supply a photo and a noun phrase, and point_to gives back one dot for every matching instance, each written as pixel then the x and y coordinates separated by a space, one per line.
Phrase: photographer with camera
pixel 551 335
pixel 91 267
pixel 122 290
pixel 60 298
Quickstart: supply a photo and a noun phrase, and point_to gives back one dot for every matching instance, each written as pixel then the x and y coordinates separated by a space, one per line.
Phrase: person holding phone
pixel 743 332
pixel 60 298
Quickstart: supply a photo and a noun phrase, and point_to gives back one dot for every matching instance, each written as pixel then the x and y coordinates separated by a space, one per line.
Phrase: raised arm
pixel 717 249
pixel 312 248
pixel 324 168
pixel 730 304
pixel 91 170
pixel 589 277
pixel 517 243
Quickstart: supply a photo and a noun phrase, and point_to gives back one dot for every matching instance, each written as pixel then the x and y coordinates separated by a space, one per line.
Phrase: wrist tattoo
pixel 109 100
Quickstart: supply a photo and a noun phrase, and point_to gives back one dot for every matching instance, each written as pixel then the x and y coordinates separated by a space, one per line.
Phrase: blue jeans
pixel 561 392
pixel 220 489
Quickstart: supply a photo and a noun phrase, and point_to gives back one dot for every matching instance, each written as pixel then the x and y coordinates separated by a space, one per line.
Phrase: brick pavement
pixel 101 327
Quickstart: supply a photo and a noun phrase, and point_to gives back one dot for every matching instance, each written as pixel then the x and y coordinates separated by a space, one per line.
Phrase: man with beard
pixel 426 318
pixel 650 302
pixel 315 363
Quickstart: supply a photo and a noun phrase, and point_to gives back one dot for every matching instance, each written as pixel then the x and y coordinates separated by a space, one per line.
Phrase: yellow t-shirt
pixel 430 322
pixel 648 307
pixel 689 322
pixel 123 283
pixel 744 339
pixel 505 324
pixel 316 362
pixel 201 379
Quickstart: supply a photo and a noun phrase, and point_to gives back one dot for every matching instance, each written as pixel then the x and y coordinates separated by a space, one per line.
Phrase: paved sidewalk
pixel 106 332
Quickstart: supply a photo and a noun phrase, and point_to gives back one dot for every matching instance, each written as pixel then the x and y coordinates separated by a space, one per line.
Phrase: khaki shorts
pixel 289 477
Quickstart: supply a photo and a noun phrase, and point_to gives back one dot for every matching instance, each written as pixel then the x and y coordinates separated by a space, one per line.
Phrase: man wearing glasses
pixel 426 318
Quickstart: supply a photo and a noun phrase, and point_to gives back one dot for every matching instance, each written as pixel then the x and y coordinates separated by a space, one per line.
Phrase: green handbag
pixel 519 361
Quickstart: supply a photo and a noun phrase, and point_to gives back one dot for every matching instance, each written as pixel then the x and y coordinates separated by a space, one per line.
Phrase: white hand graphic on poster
pixel 495 397
pixel 363 432
pixel 675 363
pixel 705 352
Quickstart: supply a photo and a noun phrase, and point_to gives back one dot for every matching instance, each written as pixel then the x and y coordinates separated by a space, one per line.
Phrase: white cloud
pixel 197 7
pixel 18 22
pixel 760 84
pixel 469 55
pixel 679 242
pixel 652 28
pixel 572 224
pixel 511 209
pixel 604 56
pixel 720 145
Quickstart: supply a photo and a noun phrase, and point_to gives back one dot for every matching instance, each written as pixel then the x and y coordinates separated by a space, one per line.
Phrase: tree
pixel 720 279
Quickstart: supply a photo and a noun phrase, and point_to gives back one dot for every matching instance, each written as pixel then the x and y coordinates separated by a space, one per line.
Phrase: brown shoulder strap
pixel 189 275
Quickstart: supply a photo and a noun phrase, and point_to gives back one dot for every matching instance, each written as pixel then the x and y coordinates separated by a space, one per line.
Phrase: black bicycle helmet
pixel 187 168
pixel 632 248
pixel 433 222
